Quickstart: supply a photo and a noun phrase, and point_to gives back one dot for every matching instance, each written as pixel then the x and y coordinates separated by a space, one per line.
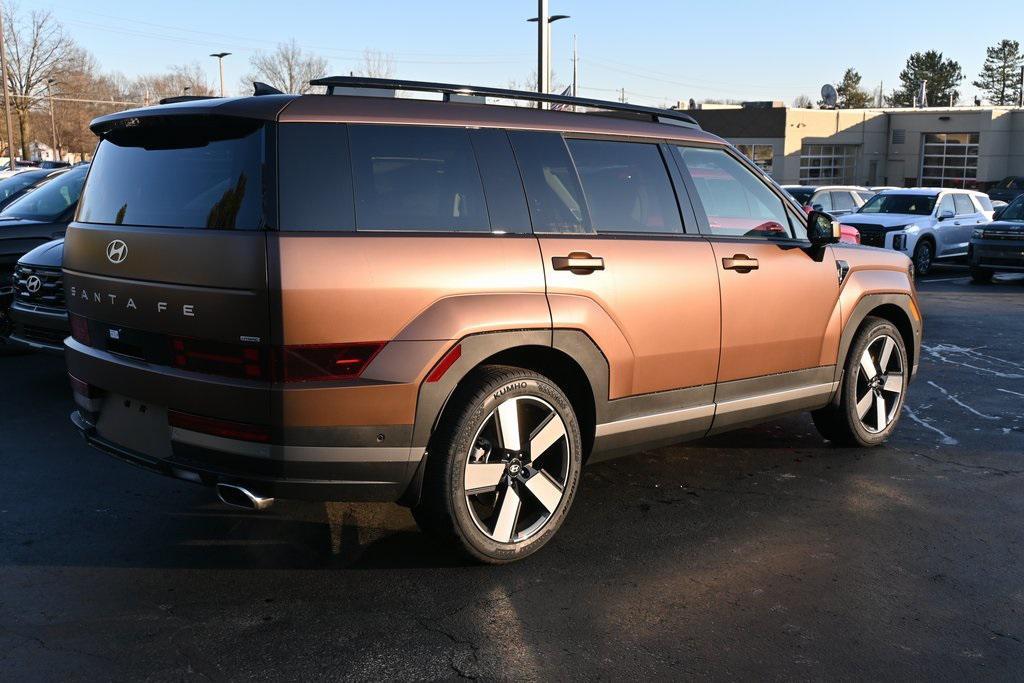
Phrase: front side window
pixel 843 201
pixel 737 202
pixel 964 205
pixel 552 187
pixel 627 186
pixel 946 206
pixel 179 172
pixel 416 178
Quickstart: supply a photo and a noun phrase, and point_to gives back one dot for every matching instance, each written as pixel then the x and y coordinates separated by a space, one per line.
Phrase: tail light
pixel 324 362
pixel 219 358
pixel 79 328
pixel 223 428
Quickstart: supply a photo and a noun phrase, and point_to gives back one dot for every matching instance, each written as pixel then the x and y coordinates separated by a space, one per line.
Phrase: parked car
pixel 38 313
pixel 927 223
pixel 54 164
pixel 20 184
pixel 837 200
pixel 31 220
pixel 883 188
pixel 1007 189
pixel 298 297
pixel 998 246
pixel 19 166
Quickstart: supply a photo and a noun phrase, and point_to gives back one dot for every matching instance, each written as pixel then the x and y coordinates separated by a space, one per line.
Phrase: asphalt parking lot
pixel 762 554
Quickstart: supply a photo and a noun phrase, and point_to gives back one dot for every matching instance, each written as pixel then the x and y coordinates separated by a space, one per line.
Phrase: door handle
pixel 741 263
pixel 578 263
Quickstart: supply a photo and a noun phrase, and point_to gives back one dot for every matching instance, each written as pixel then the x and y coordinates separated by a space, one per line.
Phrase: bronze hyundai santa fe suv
pixel 456 305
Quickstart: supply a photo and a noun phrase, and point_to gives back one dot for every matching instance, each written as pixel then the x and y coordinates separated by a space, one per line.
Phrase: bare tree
pixel 38 49
pixel 802 102
pixel 376 64
pixel 288 68
pixel 179 79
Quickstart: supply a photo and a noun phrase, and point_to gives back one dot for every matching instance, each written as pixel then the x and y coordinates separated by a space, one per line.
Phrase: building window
pixel 761 155
pixel 950 160
pixel 827 164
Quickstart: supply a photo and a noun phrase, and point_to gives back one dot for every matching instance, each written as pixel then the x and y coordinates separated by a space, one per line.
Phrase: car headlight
pixel 978 234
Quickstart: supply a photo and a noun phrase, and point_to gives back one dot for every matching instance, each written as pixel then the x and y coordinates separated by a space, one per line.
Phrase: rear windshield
pixel 180 172
pixel 51 201
pixel 912 204
pixel 19 181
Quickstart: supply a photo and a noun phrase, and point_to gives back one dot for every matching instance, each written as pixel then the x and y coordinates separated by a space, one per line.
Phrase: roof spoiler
pixel 447 90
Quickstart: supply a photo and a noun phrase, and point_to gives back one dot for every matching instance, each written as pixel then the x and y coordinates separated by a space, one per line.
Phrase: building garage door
pixel 949 160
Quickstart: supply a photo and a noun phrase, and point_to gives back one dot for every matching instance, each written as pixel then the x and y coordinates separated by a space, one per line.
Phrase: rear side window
pixel 503 188
pixel 552 186
pixel 627 186
pixel 315 178
pixel 737 203
pixel 179 172
pixel 964 205
pixel 416 178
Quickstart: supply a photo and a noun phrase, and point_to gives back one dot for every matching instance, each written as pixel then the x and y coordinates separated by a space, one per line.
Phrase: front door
pixel 778 294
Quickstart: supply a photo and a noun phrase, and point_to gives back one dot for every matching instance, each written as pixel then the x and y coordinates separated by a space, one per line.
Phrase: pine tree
pixel 851 95
pixel 1000 75
pixel 943 76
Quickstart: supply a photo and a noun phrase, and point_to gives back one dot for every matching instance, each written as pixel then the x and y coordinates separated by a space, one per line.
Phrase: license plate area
pixel 135 425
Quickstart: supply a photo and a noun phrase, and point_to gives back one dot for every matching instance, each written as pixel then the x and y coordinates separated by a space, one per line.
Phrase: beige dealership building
pixel 971 147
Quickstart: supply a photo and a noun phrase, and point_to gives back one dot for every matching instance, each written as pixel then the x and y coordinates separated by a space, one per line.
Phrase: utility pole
pixel 220 60
pixel 7 96
pixel 1020 97
pixel 543 35
pixel 575 66
pixel 622 95
pixel 53 122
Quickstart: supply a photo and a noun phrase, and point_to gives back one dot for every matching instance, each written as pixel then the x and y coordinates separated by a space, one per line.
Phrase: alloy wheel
pixel 517 469
pixel 879 389
pixel 924 258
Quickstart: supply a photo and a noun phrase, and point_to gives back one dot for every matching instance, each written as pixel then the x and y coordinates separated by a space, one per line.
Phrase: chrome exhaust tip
pixel 240 497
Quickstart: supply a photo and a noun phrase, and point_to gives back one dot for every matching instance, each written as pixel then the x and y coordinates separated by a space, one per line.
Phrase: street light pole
pixel 543 44
pixel 220 60
pixel 53 122
pixel 7 97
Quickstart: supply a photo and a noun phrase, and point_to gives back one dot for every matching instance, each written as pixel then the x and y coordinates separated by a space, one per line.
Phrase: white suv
pixel 837 200
pixel 925 223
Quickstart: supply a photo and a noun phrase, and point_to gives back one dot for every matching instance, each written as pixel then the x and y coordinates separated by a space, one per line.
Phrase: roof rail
pixel 448 89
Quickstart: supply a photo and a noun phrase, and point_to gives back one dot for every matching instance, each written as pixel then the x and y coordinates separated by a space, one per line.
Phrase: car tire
pixel 873 389
pixel 924 254
pixel 981 276
pixel 485 490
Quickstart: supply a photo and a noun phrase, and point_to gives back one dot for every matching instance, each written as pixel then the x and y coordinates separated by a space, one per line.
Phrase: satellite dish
pixel 829 95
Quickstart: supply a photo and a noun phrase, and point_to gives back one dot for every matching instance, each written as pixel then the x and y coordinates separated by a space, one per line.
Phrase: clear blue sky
pixel 658 50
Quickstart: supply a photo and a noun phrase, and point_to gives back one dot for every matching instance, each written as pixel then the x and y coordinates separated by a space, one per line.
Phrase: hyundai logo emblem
pixel 33 284
pixel 117 251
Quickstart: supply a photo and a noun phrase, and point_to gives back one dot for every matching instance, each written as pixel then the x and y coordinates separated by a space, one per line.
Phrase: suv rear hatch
pixel 166 265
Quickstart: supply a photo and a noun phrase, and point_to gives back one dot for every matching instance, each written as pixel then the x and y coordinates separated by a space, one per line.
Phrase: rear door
pixel 778 295
pixel 169 245
pixel 611 232
pixel 967 218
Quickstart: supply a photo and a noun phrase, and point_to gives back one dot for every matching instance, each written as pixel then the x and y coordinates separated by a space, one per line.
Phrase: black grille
pixel 43 335
pixel 872 239
pixel 48 286
pixel 1015 235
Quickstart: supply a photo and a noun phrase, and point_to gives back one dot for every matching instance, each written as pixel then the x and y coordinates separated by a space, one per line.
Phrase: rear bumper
pixel 38 328
pixel 127 418
pixel 1003 255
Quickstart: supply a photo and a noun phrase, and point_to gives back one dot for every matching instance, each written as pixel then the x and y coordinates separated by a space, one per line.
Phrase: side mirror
pixel 817 207
pixel 946 215
pixel 822 229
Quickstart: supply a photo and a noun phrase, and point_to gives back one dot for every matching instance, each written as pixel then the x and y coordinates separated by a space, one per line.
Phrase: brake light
pixel 223 428
pixel 79 328
pixel 324 362
pixel 83 388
